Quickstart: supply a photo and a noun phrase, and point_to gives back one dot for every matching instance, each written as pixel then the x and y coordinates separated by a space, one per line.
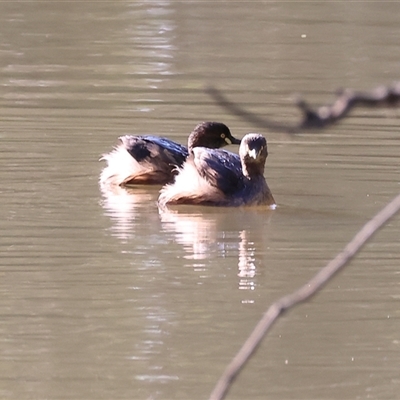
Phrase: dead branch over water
pixel 303 293
pixel 346 100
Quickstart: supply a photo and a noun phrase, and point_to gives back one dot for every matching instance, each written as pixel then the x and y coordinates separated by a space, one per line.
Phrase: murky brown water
pixel 102 297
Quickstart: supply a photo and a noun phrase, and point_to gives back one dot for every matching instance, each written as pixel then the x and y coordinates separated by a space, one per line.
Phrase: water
pixel 103 297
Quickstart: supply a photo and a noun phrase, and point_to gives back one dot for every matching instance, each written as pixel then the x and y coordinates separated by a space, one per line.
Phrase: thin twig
pixel 303 293
pixel 254 119
pixel 319 117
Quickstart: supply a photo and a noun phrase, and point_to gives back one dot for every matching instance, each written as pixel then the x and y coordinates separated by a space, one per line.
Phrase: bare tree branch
pixel 320 117
pixel 248 116
pixel 303 293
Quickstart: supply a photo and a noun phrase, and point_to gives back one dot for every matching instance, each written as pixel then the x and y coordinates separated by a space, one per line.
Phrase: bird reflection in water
pixel 197 233
pixel 126 207
pixel 204 233
pixel 247 262
pixel 212 236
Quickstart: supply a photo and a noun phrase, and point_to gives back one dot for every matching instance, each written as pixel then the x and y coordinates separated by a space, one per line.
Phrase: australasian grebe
pixel 222 178
pixel 154 160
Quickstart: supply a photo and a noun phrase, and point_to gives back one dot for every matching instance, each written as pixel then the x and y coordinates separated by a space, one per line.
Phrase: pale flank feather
pixel 121 167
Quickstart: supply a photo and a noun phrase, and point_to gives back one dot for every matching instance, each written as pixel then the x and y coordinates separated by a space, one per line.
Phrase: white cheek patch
pixel 228 141
pixel 253 153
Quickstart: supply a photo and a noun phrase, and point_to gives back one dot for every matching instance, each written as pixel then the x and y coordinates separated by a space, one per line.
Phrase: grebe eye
pixel 223 135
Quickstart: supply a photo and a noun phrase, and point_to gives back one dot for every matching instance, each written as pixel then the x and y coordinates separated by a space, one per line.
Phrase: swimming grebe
pixel 221 178
pixel 153 160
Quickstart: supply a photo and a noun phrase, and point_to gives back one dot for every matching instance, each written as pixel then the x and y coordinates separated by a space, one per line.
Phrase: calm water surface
pixel 102 297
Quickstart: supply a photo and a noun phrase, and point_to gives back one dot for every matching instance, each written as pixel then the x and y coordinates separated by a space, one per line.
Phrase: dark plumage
pixel 221 178
pixel 153 160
